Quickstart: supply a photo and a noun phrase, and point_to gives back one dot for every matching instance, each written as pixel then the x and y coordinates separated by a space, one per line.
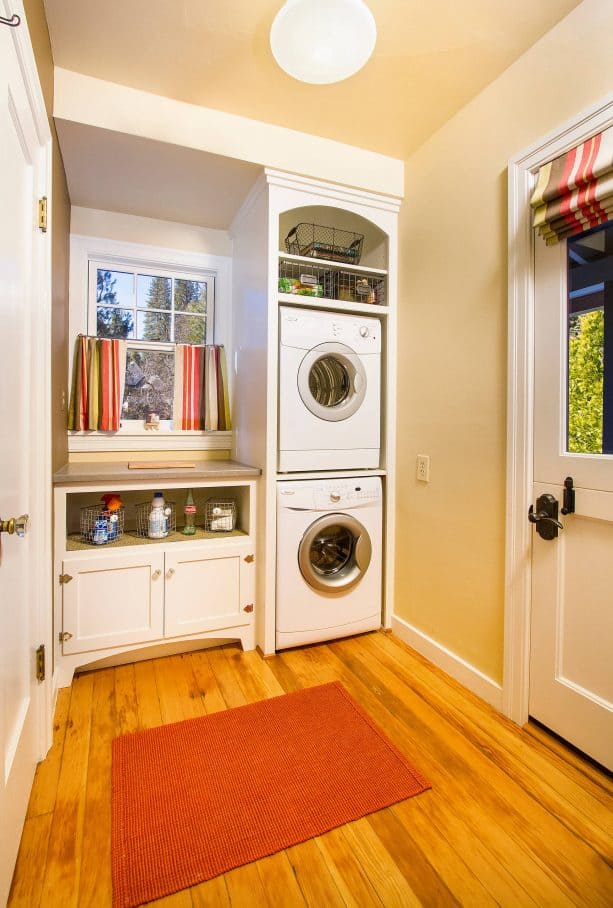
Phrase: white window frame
pixel 88 253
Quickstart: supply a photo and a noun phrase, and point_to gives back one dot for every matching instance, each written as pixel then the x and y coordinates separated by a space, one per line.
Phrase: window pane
pixel 153 292
pixel 113 322
pixel 190 296
pixel 189 329
pixel 590 367
pixel 149 384
pixel 114 288
pixel 152 326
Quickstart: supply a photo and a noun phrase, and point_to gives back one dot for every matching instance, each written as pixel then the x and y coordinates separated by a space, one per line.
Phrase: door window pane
pixel 149 384
pixel 590 339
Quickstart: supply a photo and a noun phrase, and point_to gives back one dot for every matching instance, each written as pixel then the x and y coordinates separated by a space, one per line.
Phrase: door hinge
pixel 249 558
pixel 42 214
pixel 64 636
pixel 248 608
pixel 40 663
pixel 65 578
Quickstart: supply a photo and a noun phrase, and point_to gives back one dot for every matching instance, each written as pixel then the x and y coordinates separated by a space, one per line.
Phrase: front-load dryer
pixel 329 562
pixel 329 391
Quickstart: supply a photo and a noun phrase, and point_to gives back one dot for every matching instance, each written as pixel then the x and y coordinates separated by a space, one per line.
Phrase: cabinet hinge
pixel 42 214
pixel 249 558
pixel 40 663
pixel 65 578
pixel 64 636
pixel 248 608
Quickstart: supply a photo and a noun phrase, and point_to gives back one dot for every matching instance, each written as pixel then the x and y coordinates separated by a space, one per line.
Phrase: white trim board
pixel 520 396
pixel 462 671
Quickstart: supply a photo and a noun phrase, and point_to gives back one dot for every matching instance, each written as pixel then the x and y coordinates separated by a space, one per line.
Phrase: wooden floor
pixel 513 818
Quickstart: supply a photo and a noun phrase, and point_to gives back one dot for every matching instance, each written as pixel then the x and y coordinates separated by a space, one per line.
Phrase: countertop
pixel 100 472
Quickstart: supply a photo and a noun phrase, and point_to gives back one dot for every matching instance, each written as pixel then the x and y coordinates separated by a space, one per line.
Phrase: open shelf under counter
pixel 322 302
pixel 75 542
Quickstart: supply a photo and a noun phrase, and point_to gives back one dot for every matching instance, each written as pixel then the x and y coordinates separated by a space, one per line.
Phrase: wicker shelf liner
pixel 74 543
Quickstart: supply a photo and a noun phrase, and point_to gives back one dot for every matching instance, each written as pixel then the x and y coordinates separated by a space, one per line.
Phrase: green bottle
pixel 190 515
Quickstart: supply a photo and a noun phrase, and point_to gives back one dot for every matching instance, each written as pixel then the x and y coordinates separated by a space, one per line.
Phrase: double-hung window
pixel 153 309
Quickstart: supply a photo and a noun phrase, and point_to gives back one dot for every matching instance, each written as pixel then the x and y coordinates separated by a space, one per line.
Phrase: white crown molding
pixel 332 190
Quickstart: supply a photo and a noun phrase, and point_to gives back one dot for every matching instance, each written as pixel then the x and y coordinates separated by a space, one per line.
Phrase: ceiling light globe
pixel 323 41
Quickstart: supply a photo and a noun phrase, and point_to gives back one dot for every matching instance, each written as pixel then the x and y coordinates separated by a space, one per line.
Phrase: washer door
pixel 332 381
pixel 334 553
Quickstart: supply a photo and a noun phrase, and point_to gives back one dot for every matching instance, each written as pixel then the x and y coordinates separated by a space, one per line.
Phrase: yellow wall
pixel 452 335
pixel 60 228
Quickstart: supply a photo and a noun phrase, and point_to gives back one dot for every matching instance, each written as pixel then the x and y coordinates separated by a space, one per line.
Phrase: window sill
pixel 148 440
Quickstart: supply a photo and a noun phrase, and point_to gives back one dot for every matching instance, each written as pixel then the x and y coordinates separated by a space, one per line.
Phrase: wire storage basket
pixel 220 515
pixel 152 524
pixel 99 526
pixel 356 288
pixel 331 243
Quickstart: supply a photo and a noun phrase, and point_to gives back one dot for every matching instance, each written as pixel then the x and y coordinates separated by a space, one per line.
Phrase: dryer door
pixel 334 553
pixel 332 381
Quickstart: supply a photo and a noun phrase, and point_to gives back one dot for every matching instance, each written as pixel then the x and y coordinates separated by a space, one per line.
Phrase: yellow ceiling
pixel 431 57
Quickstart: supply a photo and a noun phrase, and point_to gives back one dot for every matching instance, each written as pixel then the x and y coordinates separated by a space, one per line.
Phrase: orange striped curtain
pixel 98 378
pixel 575 191
pixel 201 388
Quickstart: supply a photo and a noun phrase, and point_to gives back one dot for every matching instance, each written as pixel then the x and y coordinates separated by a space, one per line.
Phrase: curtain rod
pixel 13 22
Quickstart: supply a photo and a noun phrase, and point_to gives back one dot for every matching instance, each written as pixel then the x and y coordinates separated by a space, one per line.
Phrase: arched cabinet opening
pixel 332 254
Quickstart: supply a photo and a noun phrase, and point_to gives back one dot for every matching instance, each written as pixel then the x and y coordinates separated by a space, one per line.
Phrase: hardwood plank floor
pixel 514 817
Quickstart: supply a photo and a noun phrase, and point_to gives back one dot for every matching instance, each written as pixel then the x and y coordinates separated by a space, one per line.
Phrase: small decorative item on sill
pixel 152 421
pixel 189 510
pixel 157 518
pixel 102 523
pixel 220 515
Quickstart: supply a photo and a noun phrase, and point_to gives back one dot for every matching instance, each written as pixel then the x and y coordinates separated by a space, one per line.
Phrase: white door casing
pixel 25 563
pixel 571 684
pixel 521 364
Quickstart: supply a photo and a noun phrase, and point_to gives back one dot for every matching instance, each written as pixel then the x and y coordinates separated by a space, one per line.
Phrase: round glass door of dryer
pixel 334 553
pixel 332 381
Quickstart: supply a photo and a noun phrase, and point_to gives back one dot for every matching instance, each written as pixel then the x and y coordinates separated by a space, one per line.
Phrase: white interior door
pixel 571 681
pixel 24 566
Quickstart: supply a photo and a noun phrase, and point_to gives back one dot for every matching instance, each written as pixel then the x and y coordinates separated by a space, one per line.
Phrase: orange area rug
pixel 197 798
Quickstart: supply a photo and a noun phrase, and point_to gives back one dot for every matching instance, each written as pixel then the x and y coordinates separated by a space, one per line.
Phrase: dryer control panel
pixel 306 330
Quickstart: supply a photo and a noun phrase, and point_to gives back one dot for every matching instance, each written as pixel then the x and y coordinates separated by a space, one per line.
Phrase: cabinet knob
pixel 156 574
pixel 169 573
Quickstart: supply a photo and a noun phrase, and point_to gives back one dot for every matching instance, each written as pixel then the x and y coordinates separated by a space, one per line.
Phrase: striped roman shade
pixel 201 388
pixel 575 191
pixel 98 378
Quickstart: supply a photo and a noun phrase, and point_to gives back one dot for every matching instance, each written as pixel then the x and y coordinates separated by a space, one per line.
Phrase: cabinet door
pixel 207 590
pixel 113 600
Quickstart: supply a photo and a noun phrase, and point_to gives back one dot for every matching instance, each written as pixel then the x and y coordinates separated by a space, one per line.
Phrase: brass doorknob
pixel 18 525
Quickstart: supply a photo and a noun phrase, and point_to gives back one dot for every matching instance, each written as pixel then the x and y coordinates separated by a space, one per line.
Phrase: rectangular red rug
pixel 196 798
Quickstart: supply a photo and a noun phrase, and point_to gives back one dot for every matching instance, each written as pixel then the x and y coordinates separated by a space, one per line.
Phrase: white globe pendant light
pixel 323 41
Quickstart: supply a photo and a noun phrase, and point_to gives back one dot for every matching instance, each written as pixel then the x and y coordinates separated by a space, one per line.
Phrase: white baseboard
pixel 449 662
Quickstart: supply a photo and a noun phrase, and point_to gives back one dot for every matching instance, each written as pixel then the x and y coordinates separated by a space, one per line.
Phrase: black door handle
pixel 545 517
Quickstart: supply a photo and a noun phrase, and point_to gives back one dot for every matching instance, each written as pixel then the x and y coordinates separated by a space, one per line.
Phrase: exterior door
pixel 571 682
pixel 25 571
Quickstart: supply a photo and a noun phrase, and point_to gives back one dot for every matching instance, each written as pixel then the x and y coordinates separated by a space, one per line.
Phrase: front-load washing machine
pixel 329 562
pixel 329 391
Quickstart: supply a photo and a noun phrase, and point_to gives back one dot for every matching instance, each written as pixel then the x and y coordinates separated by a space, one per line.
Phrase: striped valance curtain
pixel 201 388
pixel 98 379
pixel 575 191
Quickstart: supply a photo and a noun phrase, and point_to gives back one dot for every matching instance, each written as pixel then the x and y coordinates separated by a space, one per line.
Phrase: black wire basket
pixel 330 243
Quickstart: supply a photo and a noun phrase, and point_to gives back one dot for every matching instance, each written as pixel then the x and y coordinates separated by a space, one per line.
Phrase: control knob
pixel 364 331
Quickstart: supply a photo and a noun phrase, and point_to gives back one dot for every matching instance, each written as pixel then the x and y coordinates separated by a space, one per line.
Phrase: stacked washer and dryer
pixel 329 529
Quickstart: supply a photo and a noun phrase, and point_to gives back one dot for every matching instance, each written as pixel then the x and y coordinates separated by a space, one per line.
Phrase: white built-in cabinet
pixel 276 204
pixel 134 593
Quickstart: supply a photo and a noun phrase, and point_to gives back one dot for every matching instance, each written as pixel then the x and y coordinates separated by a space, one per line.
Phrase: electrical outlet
pixel 423 467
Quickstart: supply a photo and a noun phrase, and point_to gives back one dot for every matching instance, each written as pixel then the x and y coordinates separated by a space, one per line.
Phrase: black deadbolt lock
pixel 546 516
